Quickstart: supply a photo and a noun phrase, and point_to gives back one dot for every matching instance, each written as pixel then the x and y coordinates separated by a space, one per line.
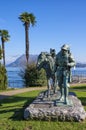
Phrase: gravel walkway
pixel 17 91
pixel 22 90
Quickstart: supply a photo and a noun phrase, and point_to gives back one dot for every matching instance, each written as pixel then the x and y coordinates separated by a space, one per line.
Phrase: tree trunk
pixel 27 42
pixel 3 51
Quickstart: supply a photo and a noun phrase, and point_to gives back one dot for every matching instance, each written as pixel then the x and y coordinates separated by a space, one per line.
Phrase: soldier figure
pixel 64 62
pixel 53 55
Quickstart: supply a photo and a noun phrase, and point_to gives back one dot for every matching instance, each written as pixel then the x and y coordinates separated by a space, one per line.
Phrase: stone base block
pixel 43 108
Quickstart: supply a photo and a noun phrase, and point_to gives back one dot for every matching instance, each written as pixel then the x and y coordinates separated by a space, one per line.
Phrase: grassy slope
pixel 11 113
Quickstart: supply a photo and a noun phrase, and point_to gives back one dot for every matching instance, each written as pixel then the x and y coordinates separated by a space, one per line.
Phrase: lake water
pixel 15 80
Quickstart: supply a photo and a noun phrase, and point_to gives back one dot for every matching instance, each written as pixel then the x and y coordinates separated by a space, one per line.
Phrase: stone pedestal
pixel 43 108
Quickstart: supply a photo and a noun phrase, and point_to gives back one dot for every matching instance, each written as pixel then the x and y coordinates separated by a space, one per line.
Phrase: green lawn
pixel 12 108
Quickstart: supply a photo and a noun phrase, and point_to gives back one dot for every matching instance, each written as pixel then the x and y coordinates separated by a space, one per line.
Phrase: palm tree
pixel 27 19
pixel 4 38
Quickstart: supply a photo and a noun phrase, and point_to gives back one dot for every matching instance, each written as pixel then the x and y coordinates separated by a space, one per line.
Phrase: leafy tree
pixel 4 38
pixel 27 19
pixel 33 77
pixel 3 76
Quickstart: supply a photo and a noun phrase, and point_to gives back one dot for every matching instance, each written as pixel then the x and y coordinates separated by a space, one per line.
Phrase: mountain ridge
pixel 21 61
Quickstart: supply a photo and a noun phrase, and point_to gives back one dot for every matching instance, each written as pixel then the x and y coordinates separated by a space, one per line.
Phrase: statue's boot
pixel 62 94
pixel 48 93
pixel 66 101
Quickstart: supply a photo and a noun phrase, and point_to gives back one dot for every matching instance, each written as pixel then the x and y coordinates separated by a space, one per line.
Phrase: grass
pixel 79 87
pixel 12 108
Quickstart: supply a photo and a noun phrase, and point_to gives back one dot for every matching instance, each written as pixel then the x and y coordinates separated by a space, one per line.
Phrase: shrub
pixel 33 77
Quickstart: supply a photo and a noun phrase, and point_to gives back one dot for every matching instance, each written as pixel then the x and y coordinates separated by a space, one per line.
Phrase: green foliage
pixel 33 77
pixel 27 18
pixel 3 76
pixel 4 35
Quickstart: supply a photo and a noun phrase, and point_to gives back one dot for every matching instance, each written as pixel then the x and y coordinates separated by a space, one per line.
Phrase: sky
pixel 58 22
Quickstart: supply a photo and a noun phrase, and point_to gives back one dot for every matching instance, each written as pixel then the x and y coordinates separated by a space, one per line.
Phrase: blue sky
pixel 58 22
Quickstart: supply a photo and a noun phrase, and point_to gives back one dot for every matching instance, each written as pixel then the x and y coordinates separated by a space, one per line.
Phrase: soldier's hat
pixel 65 47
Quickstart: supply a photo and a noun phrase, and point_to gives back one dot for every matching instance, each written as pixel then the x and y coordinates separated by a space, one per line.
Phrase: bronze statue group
pixel 58 70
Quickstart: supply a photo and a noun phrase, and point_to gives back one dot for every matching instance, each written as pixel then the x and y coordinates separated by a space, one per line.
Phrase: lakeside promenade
pixel 6 94
pixel 9 93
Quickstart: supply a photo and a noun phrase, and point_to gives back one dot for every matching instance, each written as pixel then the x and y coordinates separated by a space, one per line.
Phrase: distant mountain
pixel 21 61
pixel 11 58
pixel 79 64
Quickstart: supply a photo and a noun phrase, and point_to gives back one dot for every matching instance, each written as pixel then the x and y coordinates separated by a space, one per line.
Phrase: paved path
pixel 17 91
pixel 22 90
